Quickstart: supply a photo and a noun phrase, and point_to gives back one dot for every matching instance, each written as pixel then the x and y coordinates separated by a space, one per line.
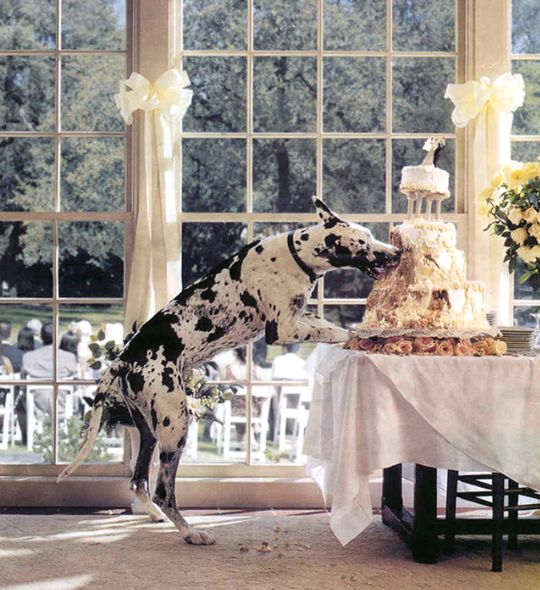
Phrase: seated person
pixel 8 350
pixel 25 340
pixel 35 325
pixel 38 364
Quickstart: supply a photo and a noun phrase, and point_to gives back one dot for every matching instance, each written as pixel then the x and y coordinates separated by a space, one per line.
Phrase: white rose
pixel 515 215
pixel 534 231
pixel 519 235
pixel 526 253
pixel 531 215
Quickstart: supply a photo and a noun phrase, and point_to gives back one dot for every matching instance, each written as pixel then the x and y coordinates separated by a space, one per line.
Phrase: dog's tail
pixel 93 427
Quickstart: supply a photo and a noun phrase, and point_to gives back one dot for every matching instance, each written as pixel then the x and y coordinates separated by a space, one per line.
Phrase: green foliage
pixel 69 442
pixel 91 170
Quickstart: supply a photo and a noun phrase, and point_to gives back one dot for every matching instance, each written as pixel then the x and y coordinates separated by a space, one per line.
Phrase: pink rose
pixel 463 348
pixel 481 348
pixel 444 347
pixel 423 344
pixel 405 347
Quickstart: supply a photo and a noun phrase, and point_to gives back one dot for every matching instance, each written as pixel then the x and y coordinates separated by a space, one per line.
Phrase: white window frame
pixel 56 217
pixel 250 217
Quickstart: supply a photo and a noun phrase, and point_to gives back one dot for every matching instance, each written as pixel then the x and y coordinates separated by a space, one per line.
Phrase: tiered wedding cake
pixel 426 305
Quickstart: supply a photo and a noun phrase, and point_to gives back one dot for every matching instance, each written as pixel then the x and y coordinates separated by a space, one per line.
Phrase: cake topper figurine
pixel 433 147
pixel 426 182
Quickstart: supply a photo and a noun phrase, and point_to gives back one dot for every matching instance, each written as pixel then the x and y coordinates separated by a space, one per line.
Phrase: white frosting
pixel 426 178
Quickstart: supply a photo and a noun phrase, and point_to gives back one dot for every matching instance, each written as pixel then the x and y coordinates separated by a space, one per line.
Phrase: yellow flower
pixel 483 209
pixel 531 169
pixel 516 179
pixel 498 347
pixel 519 235
pixel 534 230
pixel 515 215
pixel 530 215
pixel 485 194
pixel 497 180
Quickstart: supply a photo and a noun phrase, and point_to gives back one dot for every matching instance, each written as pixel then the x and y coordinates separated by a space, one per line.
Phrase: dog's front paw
pixel 198 537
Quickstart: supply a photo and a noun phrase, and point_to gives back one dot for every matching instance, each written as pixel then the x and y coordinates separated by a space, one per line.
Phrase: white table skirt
pixel 373 411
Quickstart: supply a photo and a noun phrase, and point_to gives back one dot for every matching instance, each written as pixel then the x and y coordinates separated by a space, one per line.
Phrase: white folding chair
pixel 7 413
pixel 292 408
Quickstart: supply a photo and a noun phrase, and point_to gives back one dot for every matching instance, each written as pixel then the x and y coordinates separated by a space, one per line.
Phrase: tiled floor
pixel 264 550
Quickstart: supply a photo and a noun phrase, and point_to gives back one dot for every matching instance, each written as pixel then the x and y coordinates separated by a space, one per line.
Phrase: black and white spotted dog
pixel 262 289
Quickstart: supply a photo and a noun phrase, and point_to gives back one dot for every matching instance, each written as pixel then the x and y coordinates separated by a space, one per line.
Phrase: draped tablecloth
pixel 371 411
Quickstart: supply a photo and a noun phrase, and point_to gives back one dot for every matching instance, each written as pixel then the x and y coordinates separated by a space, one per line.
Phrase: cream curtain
pixel 155 275
pixel 488 106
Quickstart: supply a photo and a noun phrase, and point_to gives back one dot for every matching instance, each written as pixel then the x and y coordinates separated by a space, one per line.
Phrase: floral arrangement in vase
pixel 512 203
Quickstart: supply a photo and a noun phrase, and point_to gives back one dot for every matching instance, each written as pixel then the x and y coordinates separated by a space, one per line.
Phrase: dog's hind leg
pixel 171 431
pixel 141 472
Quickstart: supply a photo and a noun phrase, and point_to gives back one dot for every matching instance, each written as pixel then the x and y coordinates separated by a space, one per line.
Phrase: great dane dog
pixel 262 289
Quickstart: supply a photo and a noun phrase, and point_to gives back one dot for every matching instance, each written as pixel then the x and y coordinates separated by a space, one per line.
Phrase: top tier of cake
pixel 425 178
pixel 428 289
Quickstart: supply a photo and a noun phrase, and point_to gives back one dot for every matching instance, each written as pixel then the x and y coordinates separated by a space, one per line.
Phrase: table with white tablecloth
pixel 372 411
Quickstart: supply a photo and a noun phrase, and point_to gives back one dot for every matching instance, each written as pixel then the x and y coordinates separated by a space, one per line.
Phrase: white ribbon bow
pixel 168 95
pixel 504 95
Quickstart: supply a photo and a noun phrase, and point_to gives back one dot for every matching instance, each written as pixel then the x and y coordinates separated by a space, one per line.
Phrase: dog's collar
pixel 297 259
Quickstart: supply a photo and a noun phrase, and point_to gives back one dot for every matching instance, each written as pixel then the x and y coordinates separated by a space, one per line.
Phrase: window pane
pixel 351 283
pixel 199 251
pixel 78 323
pixel 358 25
pixel 26 419
pixel 344 315
pixel 91 24
pixel 27 99
pixel 219 94
pixel 424 25
pixel 523 317
pixel 214 25
pixel 88 87
pixel 284 93
pixel 284 175
pixel 214 173
pixel 93 174
pixel 409 152
pixel 527 118
pixel 91 259
pixel 354 94
pixel 525 26
pixel 26 174
pixel 525 151
pixel 286 25
pixel 72 407
pixel 524 291
pixel 354 175
pixel 27 25
pixel 419 103
pixel 26 259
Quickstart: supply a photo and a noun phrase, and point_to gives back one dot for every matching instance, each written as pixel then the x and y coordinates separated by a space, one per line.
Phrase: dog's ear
pixel 324 213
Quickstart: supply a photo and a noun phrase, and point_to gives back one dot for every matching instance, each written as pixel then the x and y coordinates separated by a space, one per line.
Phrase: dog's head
pixel 343 244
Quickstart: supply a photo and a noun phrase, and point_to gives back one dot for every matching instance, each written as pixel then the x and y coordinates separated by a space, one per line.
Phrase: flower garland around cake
pixel 427 346
pixel 512 203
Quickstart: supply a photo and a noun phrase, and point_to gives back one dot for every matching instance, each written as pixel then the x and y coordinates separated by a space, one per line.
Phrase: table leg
pixel 391 501
pixel 424 540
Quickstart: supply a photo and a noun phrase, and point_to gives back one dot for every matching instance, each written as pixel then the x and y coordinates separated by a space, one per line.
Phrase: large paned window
pixel 64 220
pixel 526 128
pixel 295 98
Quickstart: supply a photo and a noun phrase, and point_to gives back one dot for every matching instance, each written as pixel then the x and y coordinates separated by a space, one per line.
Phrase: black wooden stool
pixel 492 485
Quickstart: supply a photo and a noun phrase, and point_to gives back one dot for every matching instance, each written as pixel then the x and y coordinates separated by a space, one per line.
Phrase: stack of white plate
pixel 518 340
